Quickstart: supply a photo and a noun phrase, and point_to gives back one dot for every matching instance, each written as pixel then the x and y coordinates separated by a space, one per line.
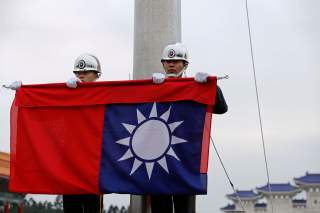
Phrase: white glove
pixel 201 77
pixel 158 78
pixel 72 82
pixel 14 85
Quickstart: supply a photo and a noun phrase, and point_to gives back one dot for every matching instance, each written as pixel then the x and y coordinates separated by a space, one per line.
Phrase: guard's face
pixel 173 66
pixel 86 76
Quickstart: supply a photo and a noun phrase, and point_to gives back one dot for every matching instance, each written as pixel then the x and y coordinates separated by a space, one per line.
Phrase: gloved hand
pixel 158 78
pixel 72 82
pixel 201 77
pixel 14 85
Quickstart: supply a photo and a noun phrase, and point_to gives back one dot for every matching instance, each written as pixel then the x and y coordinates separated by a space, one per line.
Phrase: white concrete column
pixel 157 23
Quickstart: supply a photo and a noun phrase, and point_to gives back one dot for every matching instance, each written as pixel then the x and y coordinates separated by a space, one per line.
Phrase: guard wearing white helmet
pixel 86 69
pixel 175 53
pixel 175 62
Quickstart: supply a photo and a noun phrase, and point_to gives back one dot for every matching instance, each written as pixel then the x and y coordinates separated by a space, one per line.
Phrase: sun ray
pixel 172 153
pixel 124 141
pixel 176 140
pixel 138 133
pixel 126 155
pixel 149 167
pixel 140 116
pixel 136 164
pixel 129 127
pixel 174 125
pixel 165 116
pixel 153 112
pixel 163 163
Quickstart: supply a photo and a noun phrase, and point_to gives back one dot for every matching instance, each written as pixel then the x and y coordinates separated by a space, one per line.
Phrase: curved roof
pixel 247 195
pixel 229 207
pixel 308 179
pixel 278 188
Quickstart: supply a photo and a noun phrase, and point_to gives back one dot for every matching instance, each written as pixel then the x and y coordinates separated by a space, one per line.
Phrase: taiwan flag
pixel 128 137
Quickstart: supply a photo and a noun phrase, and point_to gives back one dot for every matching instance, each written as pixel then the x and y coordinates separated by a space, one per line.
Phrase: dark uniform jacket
pixel 220 106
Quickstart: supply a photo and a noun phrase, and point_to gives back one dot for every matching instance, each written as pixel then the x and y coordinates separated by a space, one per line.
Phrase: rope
pixel 227 175
pixel 258 103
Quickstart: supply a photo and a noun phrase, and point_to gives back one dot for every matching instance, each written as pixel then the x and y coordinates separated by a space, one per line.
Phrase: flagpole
pixel 156 24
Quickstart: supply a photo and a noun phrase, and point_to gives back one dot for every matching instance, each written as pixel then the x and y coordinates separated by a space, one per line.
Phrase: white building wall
pixel 313 200
pixel 299 210
pixel 281 204
pixel 248 206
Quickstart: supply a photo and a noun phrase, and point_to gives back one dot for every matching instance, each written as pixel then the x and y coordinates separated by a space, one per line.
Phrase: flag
pixel 130 137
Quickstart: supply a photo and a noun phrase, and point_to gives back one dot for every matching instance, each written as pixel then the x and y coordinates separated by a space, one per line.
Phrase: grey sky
pixel 39 41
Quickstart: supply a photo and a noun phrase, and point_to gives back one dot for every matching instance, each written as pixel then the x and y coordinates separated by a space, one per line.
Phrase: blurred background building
pixel 8 200
pixel 281 198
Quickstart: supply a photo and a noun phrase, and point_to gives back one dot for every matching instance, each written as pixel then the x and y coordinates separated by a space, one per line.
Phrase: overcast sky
pixel 39 41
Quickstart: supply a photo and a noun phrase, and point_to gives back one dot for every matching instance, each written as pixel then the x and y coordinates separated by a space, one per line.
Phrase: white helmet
pixel 87 62
pixel 176 51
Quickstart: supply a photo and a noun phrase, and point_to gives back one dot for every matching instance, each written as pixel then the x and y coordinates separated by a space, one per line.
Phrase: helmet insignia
pixel 82 64
pixel 171 53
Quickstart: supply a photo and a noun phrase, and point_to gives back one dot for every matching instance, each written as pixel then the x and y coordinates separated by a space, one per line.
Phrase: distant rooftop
pixel 299 201
pixel 308 179
pixel 260 205
pixel 244 195
pixel 228 207
pixel 278 191
pixel 278 187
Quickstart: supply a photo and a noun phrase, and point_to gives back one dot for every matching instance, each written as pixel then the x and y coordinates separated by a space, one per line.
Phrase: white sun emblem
pixel 151 140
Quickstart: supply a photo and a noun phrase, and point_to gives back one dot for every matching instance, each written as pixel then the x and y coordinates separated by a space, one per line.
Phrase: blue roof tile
pixel 309 178
pixel 278 187
pixel 229 207
pixel 244 194
pixel 260 205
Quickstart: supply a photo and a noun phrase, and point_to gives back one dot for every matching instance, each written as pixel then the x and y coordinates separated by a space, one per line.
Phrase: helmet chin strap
pixel 176 75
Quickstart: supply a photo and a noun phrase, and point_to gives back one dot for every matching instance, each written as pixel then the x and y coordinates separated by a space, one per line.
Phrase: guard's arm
pixel 220 106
